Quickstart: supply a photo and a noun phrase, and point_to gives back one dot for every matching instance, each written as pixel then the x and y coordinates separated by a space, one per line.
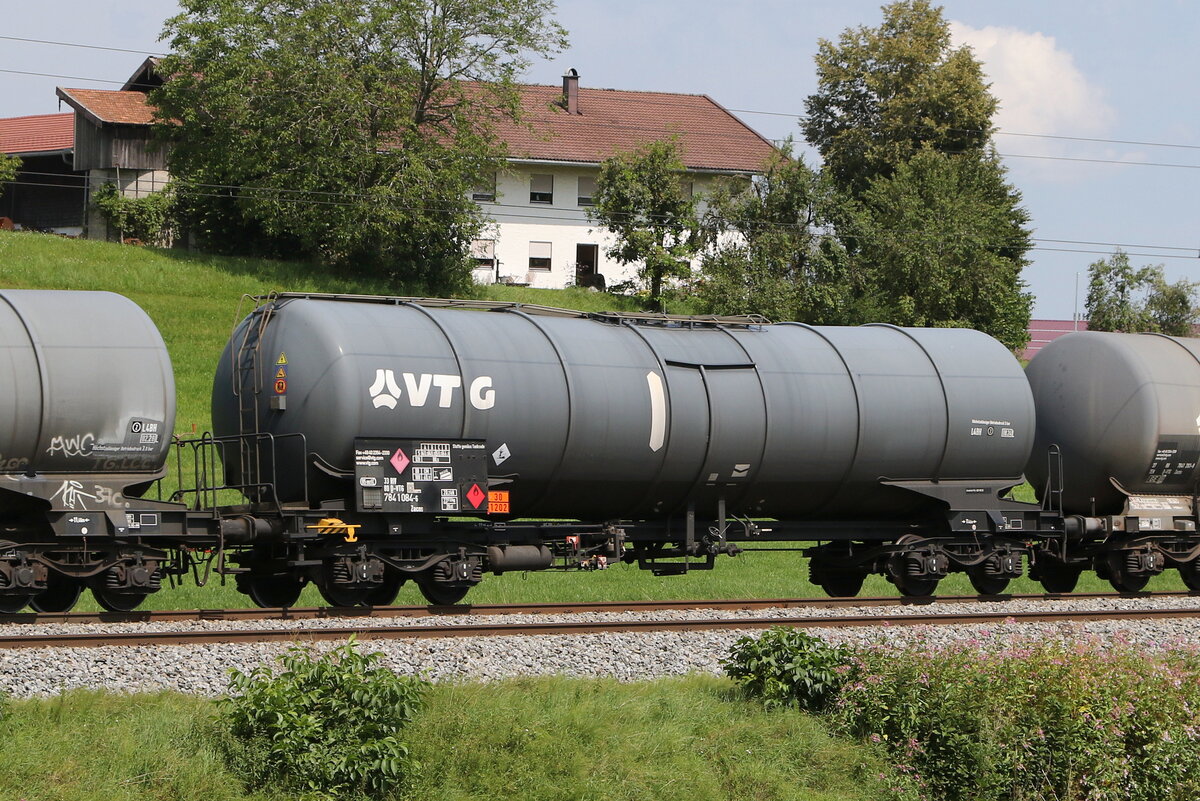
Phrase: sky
pixel 1090 93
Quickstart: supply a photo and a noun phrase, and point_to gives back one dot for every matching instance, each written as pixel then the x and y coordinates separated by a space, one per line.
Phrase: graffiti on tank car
pixel 421 388
pixel 77 445
pixel 13 464
pixel 72 496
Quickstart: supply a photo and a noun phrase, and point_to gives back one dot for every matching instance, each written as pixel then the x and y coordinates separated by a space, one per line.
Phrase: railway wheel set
pixel 363 442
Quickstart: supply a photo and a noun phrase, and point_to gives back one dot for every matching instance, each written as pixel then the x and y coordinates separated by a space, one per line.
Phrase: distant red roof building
pixel 1043 332
pixel 41 133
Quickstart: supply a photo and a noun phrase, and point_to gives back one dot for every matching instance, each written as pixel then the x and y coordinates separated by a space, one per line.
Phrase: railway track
pixel 491 629
pixel 330 612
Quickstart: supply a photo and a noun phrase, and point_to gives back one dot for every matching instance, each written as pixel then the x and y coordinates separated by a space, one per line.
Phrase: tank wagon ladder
pixel 246 373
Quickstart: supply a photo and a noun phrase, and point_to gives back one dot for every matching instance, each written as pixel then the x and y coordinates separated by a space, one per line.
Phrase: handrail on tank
pixel 644 318
pixel 205 452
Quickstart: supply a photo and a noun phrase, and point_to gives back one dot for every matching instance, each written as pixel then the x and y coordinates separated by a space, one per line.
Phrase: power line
pixel 84 46
pixel 999 132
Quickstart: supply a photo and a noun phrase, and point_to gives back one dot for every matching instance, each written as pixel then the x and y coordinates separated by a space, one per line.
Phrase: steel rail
pixel 329 612
pixel 144 638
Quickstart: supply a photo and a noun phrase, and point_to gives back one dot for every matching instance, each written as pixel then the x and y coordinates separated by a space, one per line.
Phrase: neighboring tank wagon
pixel 88 385
pixel 1118 449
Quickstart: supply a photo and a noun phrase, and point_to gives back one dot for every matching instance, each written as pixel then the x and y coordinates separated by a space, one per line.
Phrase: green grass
pixel 86 745
pixel 538 739
pixel 585 740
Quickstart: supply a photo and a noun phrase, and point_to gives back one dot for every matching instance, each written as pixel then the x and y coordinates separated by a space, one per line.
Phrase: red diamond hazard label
pixel 400 460
pixel 476 496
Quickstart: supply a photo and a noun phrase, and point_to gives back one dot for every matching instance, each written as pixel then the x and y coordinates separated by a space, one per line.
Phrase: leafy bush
pixel 143 218
pixel 1095 720
pixel 327 725
pixel 789 667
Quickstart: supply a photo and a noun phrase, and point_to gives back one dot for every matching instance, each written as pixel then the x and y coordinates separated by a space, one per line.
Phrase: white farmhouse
pixel 542 234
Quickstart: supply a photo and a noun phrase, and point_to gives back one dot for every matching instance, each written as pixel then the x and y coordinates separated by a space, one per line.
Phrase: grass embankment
pixel 522 740
pixel 194 301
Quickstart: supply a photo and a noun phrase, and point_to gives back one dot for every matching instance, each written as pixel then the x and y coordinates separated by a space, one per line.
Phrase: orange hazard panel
pixel 498 502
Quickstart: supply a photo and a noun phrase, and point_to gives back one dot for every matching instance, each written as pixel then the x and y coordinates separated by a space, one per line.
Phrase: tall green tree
pixel 903 122
pixel 1122 297
pixel 642 200
pixel 774 251
pixel 350 131
pixel 885 93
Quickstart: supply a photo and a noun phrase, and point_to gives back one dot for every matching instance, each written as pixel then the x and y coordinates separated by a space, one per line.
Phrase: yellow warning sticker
pixel 282 358
pixel 281 373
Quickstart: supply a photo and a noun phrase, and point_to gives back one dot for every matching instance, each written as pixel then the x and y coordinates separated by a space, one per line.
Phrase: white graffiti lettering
pixel 385 389
pixel 72 495
pixel 13 464
pixel 78 445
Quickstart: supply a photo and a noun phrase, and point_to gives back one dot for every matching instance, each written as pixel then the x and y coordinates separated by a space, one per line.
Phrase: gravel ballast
pixel 203 669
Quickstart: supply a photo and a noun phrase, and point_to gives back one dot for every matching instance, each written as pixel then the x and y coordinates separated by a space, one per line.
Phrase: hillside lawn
pixel 196 299
pixel 536 739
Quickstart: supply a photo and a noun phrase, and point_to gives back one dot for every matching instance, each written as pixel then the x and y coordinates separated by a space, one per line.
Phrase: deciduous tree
pixel 885 93
pixel 641 199
pixel 903 122
pixel 347 130
pixel 1122 297
pixel 942 243
pixel 774 251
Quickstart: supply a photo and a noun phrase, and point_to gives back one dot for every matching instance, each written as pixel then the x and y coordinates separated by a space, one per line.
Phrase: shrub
pixel 1095 720
pixel 143 218
pixel 326 725
pixel 789 667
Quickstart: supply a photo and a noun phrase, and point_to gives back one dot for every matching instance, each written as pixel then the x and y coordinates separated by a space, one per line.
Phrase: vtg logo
pixel 385 391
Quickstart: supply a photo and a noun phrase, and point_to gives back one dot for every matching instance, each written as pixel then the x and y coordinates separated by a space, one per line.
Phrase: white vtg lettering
pixel 386 391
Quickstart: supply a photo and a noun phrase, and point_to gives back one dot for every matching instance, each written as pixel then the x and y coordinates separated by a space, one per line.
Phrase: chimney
pixel 571 91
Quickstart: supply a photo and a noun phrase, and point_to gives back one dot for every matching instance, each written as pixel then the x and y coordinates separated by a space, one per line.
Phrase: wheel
pixel 344 598
pixel 385 594
pixel 1121 579
pixel 440 594
pixel 842 583
pixel 60 594
pixel 1059 579
pixel 270 592
pixel 913 587
pixel 1190 573
pixel 985 584
pixel 11 604
pixel 116 601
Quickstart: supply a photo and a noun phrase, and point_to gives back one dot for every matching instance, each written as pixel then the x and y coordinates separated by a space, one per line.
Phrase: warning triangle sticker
pixel 281 373
pixel 282 358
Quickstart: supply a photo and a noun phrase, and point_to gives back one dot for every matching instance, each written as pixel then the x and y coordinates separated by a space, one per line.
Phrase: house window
pixel 539 255
pixel 483 251
pixel 541 189
pixel 485 192
pixel 686 187
pixel 587 190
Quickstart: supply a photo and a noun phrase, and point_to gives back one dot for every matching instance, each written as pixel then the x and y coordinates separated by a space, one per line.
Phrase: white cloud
pixel 1039 87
